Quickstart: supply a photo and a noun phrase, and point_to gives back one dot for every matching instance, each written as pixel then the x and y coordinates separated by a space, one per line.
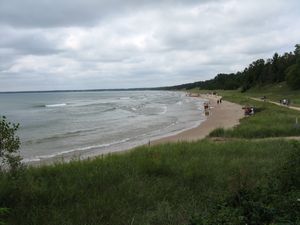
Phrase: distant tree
pixel 297 50
pixel 293 76
pixel 9 146
pixel 297 54
pixel 261 72
pixel 293 72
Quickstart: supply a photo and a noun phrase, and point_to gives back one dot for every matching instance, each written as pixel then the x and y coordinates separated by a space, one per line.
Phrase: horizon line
pixel 83 90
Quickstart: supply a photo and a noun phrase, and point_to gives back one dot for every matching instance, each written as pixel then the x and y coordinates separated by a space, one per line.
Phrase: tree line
pixel 261 72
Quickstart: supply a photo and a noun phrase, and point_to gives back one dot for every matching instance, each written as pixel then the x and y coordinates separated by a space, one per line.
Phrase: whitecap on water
pixel 56 105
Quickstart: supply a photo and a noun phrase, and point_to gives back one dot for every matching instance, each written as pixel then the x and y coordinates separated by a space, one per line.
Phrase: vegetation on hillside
pixel 238 182
pixel 261 72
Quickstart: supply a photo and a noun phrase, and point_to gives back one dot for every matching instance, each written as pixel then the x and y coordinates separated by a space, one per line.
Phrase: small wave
pixel 56 105
pixel 165 109
pixel 124 98
pixel 94 104
pixel 39 158
pixel 110 109
pixel 61 136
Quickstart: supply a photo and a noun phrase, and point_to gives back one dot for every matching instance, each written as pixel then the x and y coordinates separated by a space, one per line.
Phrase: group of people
pixel 285 102
pixel 249 110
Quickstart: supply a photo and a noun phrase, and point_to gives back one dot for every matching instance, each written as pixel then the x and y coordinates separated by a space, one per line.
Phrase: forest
pixel 261 72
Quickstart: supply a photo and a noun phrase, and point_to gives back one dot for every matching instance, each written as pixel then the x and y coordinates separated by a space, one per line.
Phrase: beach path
pixel 223 115
pixel 276 103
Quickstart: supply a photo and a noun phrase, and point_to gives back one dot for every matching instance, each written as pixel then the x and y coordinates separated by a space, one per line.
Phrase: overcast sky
pixel 83 44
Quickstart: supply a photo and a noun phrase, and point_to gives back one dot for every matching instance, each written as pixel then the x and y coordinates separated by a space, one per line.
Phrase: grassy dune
pixel 277 92
pixel 187 183
pixel 202 183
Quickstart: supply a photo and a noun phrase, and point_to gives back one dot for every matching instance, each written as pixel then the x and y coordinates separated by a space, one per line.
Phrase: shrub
pixel 9 146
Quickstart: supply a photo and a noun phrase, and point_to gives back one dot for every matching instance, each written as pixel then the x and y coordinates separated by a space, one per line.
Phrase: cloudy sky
pixel 82 44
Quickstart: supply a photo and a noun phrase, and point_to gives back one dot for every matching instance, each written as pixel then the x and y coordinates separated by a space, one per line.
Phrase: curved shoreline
pixel 223 115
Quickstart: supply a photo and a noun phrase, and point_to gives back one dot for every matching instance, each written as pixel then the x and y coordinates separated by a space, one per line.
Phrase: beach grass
pixel 235 182
pixel 276 92
pixel 273 92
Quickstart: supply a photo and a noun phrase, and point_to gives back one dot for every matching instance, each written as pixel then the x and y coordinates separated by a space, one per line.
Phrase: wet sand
pixel 223 115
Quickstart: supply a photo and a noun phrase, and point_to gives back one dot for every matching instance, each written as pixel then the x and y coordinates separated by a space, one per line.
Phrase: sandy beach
pixel 223 115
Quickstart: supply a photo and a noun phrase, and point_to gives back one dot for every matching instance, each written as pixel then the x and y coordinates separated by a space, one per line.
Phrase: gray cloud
pixel 75 12
pixel 35 43
pixel 119 44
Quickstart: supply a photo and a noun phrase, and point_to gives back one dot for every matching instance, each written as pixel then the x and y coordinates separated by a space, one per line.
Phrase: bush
pixel 9 146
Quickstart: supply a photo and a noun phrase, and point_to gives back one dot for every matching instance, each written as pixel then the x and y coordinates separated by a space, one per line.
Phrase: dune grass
pixel 276 92
pixel 239 182
pixel 273 92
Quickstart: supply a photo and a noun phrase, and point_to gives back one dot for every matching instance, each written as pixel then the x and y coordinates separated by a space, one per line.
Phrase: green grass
pixel 276 92
pixel 186 183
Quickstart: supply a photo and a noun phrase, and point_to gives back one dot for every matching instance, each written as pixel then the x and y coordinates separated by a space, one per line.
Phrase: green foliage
pixel 258 73
pixel 276 92
pixel 9 146
pixel 297 52
pixel 219 132
pixel 293 76
pixel 186 183
pixel 3 212
pixel 221 81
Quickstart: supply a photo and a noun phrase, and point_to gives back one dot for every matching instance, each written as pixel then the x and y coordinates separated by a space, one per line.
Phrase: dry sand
pixel 223 115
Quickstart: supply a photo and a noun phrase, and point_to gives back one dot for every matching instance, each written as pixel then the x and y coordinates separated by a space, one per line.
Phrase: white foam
pixel 165 109
pixel 39 158
pixel 56 105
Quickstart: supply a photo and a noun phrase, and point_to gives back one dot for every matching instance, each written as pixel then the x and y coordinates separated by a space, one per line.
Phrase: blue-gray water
pixel 60 123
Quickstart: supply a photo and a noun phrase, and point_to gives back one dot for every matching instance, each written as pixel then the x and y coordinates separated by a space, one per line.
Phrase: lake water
pixel 56 124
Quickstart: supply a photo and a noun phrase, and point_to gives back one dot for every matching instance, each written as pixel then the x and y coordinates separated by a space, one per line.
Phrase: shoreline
pixel 225 114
